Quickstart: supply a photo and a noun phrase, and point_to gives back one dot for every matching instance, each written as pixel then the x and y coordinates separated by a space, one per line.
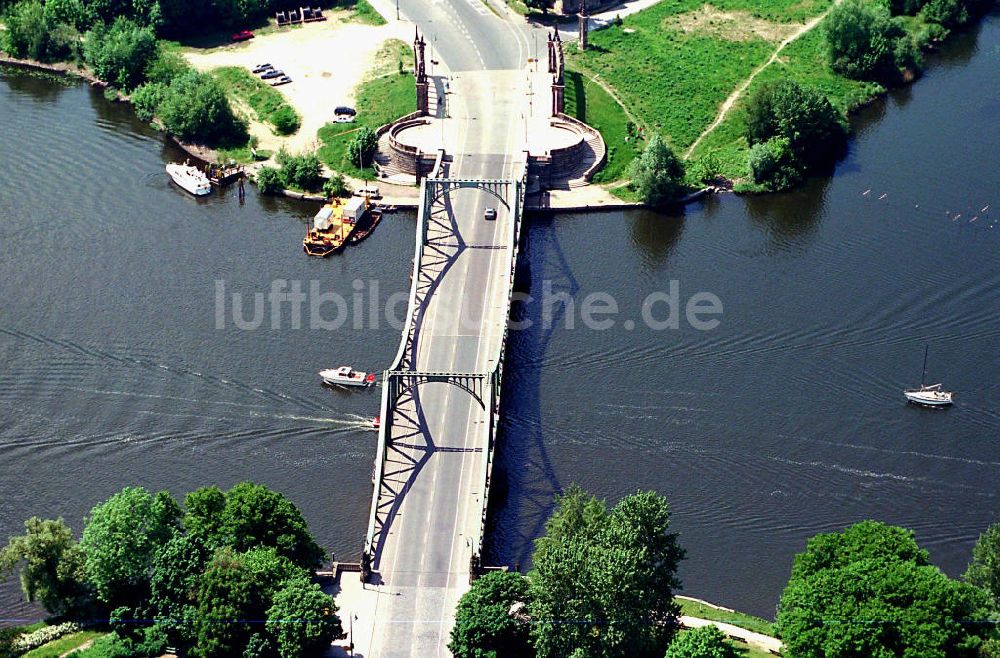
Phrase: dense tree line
pixel 185 576
pixel 603 581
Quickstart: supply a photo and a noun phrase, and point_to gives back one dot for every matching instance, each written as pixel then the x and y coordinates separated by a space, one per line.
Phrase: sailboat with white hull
pixel 928 395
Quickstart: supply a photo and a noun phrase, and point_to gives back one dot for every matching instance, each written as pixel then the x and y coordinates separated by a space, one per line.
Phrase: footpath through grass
pixel 749 622
pixel 589 102
pixel 56 648
pixel 379 101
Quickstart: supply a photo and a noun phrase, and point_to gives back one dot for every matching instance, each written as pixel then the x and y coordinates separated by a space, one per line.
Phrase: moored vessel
pixel 333 225
pixel 928 395
pixel 189 179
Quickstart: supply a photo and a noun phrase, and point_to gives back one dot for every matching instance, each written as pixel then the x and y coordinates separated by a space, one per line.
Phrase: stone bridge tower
pixel 584 20
pixel 420 73
pixel 557 68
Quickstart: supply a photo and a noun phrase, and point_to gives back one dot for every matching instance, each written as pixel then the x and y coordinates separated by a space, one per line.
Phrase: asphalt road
pixel 436 459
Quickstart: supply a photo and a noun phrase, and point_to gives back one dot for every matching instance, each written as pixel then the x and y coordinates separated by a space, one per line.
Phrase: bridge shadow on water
pixel 525 484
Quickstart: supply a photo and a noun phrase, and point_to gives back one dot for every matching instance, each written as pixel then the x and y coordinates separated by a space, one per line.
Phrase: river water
pixel 783 421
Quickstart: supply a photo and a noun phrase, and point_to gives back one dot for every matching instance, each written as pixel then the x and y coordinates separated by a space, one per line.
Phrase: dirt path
pixel 731 100
pixel 759 640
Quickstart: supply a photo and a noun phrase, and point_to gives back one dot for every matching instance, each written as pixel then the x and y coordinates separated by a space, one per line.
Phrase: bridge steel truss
pixel 483 387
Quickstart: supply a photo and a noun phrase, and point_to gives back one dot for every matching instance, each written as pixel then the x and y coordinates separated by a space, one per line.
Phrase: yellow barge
pixel 333 225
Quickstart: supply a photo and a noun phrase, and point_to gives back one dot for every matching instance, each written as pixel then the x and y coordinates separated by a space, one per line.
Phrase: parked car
pixel 260 68
pixel 343 118
pixel 345 111
pixel 243 35
pixel 490 214
pixel 271 73
pixel 283 80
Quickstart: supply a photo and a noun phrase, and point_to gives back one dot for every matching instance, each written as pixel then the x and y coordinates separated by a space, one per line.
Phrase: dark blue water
pixel 785 420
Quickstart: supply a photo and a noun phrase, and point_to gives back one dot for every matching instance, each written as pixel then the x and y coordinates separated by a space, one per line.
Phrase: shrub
pixel 773 164
pixel 483 623
pixel 44 635
pixel 67 12
pixel 120 54
pixel 336 187
pixel 864 42
pixel 146 99
pixel 165 66
pixel 314 613
pixel 303 171
pixel 285 120
pixel 704 642
pixel 27 34
pixel 658 174
pixel 269 180
pixel 706 169
pixel 362 148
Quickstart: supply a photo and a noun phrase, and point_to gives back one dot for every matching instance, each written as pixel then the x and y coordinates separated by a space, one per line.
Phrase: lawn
pixel 589 102
pixel 749 622
pixel 267 103
pixel 56 648
pixel 379 101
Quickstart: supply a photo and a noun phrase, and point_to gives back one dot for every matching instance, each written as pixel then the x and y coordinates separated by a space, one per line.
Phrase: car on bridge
pixel 490 214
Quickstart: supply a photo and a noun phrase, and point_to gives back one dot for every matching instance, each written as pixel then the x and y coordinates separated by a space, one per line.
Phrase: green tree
pixel 302 620
pixel 984 570
pixel 603 582
pixel 813 127
pixel 484 626
pixel 869 591
pixel 542 5
pixel 120 538
pixel 257 516
pixel 119 54
pixel 67 12
pixel 361 150
pixel 52 565
pixel 658 174
pixel 704 642
pixel 177 567
pixel 196 109
pixel 226 598
pixel 204 509
pixel 866 43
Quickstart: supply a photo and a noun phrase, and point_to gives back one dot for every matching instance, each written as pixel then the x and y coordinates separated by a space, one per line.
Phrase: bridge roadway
pixel 429 502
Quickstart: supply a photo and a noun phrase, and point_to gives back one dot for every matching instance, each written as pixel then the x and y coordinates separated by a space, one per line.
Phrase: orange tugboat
pixel 333 225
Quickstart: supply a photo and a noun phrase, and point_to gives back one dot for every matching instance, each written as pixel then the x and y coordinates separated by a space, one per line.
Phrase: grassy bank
pixel 266 102
pixel 749 622
pixel 365 13
pixel 673 66
pixel 379 101
pixel 589 102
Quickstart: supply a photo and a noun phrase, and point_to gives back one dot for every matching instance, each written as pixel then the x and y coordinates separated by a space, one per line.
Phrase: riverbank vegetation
pixel 154 573
pixel 675 64
pixel 603 584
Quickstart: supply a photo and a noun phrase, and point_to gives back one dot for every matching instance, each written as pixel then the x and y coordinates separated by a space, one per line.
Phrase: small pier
pixel 222 175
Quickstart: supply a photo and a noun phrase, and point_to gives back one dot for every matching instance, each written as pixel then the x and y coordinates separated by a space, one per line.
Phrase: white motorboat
pixel 928 395
pixel 347 376
pixel 190 179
